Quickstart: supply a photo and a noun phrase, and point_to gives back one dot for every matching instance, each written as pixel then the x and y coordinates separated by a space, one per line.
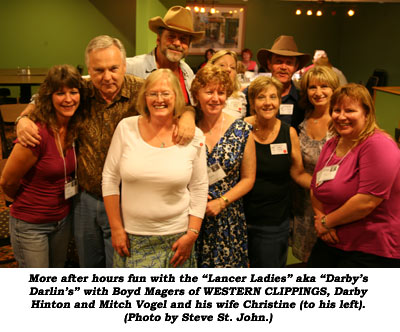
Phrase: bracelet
pixel 194 230
pixel 19 118
pixel 323 222
pixel 226 200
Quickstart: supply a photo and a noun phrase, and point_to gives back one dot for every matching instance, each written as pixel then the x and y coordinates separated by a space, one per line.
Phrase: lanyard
pixel 62 156
pixel 340 161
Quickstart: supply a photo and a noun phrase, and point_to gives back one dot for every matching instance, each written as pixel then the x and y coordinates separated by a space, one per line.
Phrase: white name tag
pixel 279 148
pixel 71 189
pixel 286 109
pixel 215 173
pixel 326 174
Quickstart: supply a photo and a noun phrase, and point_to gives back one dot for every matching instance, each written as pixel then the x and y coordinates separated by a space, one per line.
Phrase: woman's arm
pixel 183 246
pixel 184 132
pixel 119 238
pixel 326 234
pixel 355 208
pixel 111 193
pixel 198 190
pixel 247 178
pixel 18 164
pixel 297 171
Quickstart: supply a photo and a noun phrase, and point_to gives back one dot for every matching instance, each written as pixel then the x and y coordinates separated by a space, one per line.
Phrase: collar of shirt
pixel 292 95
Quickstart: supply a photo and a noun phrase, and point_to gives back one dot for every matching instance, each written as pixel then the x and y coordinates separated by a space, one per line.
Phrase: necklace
pixel 162 143
pixel 259 131
pixel 210 130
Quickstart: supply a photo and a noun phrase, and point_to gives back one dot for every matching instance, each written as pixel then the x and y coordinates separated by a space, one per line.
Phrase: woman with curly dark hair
pixel 41 179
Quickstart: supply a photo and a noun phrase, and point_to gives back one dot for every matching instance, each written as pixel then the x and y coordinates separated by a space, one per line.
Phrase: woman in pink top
pixel 41 179
pixel 355 191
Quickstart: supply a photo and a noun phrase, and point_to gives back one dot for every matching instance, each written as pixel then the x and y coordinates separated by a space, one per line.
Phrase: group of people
pixel 144 179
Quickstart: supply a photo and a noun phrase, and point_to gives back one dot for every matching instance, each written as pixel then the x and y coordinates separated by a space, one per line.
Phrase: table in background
pixel 387 107
pixel 11 77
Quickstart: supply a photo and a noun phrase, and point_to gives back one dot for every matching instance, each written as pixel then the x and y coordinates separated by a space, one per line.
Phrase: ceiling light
pixel 298 12
pixel 351 12
pixel 309 12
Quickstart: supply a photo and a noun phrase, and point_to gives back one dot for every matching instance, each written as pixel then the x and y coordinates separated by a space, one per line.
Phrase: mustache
pixel 179 49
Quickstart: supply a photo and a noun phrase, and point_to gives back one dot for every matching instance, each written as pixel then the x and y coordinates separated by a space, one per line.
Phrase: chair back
pixel 8 115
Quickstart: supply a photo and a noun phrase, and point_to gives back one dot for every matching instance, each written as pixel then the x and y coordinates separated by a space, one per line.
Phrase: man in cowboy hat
pixel 174 32
pixel 283 60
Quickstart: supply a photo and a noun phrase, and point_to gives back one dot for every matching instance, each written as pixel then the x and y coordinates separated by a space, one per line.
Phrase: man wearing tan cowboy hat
pixel 283 60
pixel 174 34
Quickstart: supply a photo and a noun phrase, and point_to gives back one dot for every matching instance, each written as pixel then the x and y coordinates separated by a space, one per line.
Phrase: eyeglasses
pixel 155 95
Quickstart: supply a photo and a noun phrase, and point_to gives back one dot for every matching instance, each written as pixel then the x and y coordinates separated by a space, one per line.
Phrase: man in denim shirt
pixel 174 32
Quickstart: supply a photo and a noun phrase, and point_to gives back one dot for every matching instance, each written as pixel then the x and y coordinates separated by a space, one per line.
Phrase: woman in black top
pixel 267 205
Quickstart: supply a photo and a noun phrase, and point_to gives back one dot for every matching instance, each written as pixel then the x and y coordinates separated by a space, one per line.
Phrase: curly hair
pixel 210 75
pixel 156 76
pixel 57 78
pixel 322 74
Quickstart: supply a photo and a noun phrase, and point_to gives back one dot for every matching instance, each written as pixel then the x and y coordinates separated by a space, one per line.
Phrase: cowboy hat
pixel 177 19
pixel 286 46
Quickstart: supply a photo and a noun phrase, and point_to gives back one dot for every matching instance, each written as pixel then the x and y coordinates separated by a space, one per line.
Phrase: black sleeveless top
pixel 268 203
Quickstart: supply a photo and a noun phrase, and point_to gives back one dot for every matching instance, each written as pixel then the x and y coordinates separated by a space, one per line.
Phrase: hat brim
pixel 263 54
pixel 157 22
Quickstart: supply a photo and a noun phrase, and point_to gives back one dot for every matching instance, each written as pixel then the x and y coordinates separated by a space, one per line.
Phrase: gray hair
pixel 104 41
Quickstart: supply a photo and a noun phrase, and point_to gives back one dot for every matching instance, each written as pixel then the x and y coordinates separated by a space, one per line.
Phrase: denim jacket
pixel 144 64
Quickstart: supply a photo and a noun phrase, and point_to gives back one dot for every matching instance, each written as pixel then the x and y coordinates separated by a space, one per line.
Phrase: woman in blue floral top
pixel 231 165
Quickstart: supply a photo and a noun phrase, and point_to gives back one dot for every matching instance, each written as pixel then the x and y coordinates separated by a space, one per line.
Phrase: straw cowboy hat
pixel 283 45
pixel 177 19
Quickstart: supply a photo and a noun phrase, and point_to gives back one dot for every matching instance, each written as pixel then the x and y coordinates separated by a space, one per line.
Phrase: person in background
pixel 324 61
pixel 111 97
pixel 207 56
pixel 147 164
pixel 235 105
pixel 321 59
pixel 174 32
pixel 42 179
pixel 355 190
pixel 283 60
pixel 267 205
pixel 251 65
pixel 231 165
pixel 317 86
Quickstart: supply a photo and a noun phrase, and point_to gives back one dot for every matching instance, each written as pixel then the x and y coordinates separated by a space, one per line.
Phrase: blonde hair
pixel 260 84
pixel 360 94
pixel 155 76
pixel 322 74
pixel 219 55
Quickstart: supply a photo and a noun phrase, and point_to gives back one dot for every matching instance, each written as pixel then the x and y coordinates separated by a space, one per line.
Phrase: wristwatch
pixel 19 118
pixel 323 222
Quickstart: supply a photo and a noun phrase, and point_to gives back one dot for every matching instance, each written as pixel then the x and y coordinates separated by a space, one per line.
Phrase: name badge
pixel 286 109
pixel 326 174
pixel 279 148
pixel 215 173
pixel 71 189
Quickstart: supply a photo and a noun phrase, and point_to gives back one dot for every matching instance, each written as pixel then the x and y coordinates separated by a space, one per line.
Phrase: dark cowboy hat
pixel 286 46
pixel 177 19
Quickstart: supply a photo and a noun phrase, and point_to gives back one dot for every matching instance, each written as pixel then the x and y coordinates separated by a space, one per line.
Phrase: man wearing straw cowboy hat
pixel 174 32
pixel 283 60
